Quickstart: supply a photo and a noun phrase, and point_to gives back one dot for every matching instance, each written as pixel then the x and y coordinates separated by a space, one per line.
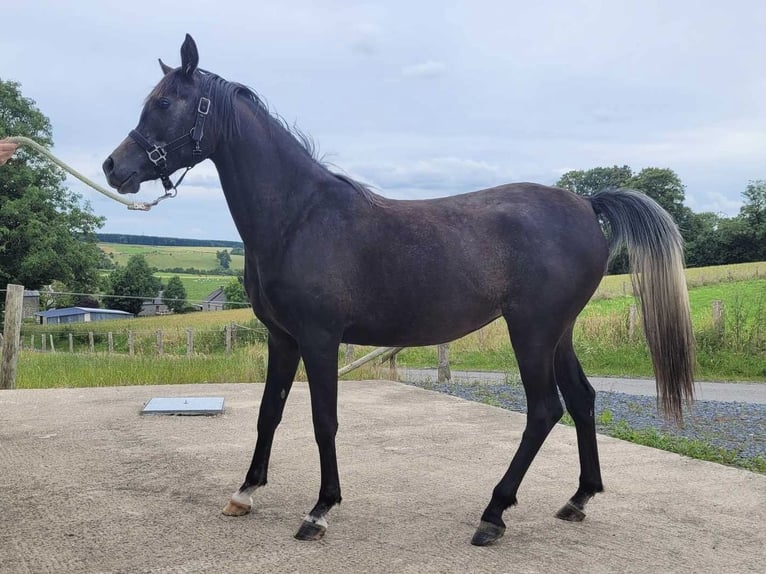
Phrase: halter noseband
pixel 158 154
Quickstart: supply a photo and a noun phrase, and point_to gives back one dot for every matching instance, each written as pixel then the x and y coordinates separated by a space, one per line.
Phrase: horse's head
pixel 169 134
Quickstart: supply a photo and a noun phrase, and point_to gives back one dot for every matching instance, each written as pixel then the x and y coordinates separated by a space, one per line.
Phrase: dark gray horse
pixel 328 261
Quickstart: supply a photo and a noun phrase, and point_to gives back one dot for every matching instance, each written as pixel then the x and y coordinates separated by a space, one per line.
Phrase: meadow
pixel 171 257
pixel 602 339
pixel 197 287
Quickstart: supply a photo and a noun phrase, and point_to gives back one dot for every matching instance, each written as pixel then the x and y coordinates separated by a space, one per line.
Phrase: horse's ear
pixel 189 56
pixel 165 68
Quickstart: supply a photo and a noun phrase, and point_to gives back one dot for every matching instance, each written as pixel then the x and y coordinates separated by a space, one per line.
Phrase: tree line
pixel 48 234
pixel 127 239
pixel 710 238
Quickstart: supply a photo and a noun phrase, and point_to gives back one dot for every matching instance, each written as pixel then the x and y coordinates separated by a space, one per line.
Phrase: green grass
pixel 601 335
pixel 47 370
pixel 692 448
pixel 169 257
pixel 604 347
pixel 198 287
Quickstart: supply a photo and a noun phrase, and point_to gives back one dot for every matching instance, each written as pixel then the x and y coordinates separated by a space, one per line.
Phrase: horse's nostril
pixel 108 165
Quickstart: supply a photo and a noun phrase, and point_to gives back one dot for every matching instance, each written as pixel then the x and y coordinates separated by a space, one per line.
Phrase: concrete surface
pixel 705 391
pixel 89 485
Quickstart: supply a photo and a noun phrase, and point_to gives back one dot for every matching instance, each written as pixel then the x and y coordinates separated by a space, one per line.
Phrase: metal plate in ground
pixel 184 406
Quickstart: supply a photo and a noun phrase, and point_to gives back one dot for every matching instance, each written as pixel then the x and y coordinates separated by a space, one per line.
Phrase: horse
pixel 328 261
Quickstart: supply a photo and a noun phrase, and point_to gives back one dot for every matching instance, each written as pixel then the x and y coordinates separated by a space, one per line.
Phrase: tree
pixel 86 301
pixel 236 298
pixel 665 187
pixel 174 294
pixel 753 216
pixel 588 182
pixel 132 285
pixel 224 259
pixel 45 232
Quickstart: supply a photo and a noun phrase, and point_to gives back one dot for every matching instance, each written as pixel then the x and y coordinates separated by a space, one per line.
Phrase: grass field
pixel 198 287
pixel 737 352
pixel 601 338
pixel 170 257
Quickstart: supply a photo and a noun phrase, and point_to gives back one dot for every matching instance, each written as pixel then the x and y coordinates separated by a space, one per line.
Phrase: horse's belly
pixel 416 331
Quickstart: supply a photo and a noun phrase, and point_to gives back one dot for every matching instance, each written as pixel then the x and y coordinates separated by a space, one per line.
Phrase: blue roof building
pixel 80 315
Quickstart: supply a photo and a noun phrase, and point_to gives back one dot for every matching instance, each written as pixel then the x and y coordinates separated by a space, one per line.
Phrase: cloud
pixel 432 177
pixel 429 69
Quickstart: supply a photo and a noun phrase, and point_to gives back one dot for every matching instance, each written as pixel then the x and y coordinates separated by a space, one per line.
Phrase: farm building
pixel 30 303
pixel 215 301
pixel 154 307
pixel 80 315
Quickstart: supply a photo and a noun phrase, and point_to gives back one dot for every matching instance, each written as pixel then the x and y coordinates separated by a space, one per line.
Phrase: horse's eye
pixel 163 103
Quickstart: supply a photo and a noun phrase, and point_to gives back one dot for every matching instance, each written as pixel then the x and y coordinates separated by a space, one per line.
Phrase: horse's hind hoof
pixel 487 533
pixel 571 513
pixel 312 528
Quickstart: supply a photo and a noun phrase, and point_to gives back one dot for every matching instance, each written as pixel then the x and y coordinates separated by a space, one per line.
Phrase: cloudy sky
pixel 418 98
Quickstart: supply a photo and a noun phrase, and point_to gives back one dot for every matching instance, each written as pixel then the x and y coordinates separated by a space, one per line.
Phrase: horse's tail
pixel 655 252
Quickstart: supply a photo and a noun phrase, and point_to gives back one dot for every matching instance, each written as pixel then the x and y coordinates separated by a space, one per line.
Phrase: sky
pixel 417 98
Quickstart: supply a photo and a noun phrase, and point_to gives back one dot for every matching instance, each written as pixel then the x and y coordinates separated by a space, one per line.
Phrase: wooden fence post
pixel 71 343
pixel 14 301
pixel 32 341
pixel 91 343
pixel 632 316
pixel 227 338
pixel 159 342
pixel 349 354
pixel 43 342
pixel 189 342
pixel 110 342
pixel 443 371
pixel 719 316
pixel 131 349
pixel 53 349
pixel 392 374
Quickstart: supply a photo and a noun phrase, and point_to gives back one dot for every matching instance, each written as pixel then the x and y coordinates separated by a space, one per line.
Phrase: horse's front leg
pixel 283 362
pixel 321 362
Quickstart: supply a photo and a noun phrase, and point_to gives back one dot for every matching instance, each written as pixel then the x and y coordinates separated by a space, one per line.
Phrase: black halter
pixel 158 154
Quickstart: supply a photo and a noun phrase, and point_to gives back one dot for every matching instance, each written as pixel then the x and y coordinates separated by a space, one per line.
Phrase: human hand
pixel 6 150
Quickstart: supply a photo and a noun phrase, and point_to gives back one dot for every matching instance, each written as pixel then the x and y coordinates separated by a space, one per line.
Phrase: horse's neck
pixel 268 181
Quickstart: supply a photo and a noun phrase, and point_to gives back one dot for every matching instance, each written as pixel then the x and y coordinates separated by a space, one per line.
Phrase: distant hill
pixel 164 241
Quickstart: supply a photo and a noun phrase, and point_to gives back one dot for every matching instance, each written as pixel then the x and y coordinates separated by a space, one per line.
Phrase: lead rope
pixel 133 205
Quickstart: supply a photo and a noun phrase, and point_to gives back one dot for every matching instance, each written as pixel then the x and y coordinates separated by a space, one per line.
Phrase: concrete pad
pixel 89 485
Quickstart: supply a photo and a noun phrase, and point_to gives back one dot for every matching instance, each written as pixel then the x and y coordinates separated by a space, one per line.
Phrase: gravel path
pixel 737 427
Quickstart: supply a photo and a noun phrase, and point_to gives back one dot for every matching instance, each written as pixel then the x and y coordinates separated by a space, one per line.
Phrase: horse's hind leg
pixel 579 398
pixel 534 353
pixel 283 362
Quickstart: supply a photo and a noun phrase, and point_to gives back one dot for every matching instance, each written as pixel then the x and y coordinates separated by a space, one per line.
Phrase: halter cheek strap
pixel 158 154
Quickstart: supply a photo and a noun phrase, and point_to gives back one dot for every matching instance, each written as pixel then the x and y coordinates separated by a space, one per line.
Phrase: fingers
pixel 7 150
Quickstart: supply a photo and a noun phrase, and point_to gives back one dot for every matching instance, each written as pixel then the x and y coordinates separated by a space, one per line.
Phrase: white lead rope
pixel 134 205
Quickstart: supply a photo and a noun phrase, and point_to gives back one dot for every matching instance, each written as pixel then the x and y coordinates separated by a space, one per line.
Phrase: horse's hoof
pixel 571 513
pixel 312 528
pixel 234 508
pixel 487 533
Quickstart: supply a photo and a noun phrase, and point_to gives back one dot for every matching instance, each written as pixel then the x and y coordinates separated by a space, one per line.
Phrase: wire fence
pixel 79 338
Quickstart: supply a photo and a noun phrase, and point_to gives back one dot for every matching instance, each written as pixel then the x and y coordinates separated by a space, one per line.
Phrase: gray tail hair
pixel 655 252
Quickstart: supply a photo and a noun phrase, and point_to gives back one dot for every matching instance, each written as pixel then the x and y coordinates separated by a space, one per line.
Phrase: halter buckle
pixel 204 106
pixel 157 155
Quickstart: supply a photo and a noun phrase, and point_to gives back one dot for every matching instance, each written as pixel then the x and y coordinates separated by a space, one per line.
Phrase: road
pixel 728 392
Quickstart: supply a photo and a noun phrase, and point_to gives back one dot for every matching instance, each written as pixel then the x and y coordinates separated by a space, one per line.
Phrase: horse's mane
pixel 223 93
